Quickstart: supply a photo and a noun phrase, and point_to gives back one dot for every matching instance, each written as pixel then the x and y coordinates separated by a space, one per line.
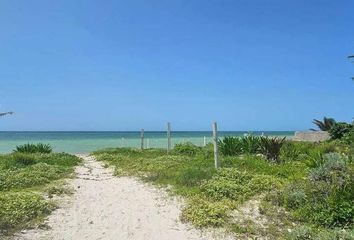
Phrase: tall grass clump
pixel 34 148
pixel 251 144
pixel 269 147
pixel 230 146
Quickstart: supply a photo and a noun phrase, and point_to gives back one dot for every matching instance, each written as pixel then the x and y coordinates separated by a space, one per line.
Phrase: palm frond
pixel 324 125
pixel 6 113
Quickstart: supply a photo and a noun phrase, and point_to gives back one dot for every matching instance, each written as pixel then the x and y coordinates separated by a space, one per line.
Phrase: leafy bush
pixel 348 137
pixel 20 208
pixel 186 148
pixel 233 184
pixel 294 197
pixel 327 197
pixel 310 153
pixel 339 129
pixel 230 146
pixel 201 212
pixel 315 155
pixel 34 148
pixel 333 171
pixel 270 148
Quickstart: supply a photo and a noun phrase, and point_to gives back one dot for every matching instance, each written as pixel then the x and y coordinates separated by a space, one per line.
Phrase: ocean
pixel 85 142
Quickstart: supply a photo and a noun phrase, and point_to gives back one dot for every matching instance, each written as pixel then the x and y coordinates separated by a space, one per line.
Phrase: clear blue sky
pixel 124 65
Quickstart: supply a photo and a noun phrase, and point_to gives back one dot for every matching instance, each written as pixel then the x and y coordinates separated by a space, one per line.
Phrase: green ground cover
pixel 28 182
pixel 303 191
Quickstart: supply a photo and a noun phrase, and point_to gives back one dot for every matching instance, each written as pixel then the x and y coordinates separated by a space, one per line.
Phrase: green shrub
pixel 315 155
pixel 34 148
pixel 270 148
pixel 312 153
pixel 186 148
pixel 230 146
pixel 294 197
pixel 339 130
pixel 334 171
pixel 348 137
pixel 233 184
pixel 201 213
pixel 20 208
pixel 327 197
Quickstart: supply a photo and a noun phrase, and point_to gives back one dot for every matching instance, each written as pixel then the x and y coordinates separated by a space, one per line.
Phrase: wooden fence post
pixel 216 149
pixel 142 139
pixel 168 137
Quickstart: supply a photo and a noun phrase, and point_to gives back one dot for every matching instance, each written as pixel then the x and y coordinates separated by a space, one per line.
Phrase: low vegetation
pixel 299 191
pixel 29 178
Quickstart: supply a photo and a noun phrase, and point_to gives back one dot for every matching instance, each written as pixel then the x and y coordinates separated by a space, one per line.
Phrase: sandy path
pixel 107 207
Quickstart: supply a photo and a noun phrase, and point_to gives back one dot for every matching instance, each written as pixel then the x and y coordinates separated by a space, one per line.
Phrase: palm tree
pixel 324 125
pixel 6 113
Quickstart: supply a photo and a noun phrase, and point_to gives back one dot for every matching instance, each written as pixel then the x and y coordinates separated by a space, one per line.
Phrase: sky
pixel 126 65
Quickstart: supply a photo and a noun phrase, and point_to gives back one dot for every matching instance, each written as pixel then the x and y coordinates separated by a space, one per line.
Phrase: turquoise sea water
pixel 85 142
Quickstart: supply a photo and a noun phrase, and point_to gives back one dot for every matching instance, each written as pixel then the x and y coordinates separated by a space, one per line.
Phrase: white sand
pixel 107 207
